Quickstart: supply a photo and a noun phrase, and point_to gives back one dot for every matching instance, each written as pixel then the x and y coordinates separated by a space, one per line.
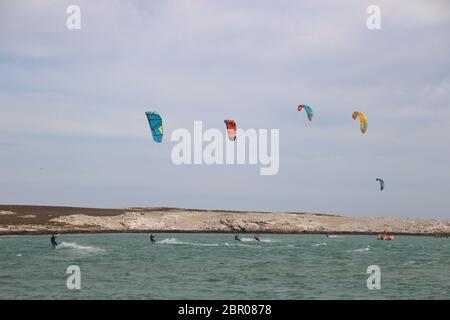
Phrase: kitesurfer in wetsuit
pixel 152 238
pixel 255 237
pixel 53 241
pixel 237 238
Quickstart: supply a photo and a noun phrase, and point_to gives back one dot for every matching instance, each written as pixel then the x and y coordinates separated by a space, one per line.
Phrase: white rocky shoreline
pixel 187 220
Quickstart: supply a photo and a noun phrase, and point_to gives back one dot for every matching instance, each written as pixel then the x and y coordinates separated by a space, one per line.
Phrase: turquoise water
pixel 214 266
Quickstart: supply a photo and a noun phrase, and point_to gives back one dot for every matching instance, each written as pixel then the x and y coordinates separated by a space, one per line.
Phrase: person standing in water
pixel 53 241
pixel 152 238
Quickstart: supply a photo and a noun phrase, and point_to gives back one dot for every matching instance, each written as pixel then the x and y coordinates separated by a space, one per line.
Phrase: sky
pixel 73 129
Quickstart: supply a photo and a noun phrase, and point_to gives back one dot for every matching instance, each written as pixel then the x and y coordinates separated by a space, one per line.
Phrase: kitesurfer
pixel 53 241
pixel 256 237
pixel 152 238
pixel 237 238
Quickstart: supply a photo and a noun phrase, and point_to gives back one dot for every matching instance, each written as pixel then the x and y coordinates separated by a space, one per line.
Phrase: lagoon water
pixel 214 266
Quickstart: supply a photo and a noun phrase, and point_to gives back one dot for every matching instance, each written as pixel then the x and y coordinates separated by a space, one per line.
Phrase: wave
pixel 335 236
pixel 361 249
pixel 319 244
pixel 76 246
pixel 176 242
pixel 287 246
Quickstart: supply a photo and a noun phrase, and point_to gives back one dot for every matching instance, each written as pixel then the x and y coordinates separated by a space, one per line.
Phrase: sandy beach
pixel 16 219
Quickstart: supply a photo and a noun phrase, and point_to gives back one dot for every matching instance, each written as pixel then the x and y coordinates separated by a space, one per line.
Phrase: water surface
pixel 214 266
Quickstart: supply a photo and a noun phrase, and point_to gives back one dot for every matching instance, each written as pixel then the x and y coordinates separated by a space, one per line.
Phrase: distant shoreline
pixel 41 220
pixel 81 232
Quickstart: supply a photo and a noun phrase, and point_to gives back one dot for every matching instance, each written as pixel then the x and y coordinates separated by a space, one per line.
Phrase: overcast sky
pixel 73 129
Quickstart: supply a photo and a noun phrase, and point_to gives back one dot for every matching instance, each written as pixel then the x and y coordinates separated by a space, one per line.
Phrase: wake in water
pixel 319 244
pixel 261 240
pixel 175 241
pixel 361 249
pixel 76 246
pixel 270 240
pixel 240 245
